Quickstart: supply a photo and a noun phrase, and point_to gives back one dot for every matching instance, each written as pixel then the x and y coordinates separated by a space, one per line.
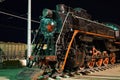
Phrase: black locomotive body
pixel 68 39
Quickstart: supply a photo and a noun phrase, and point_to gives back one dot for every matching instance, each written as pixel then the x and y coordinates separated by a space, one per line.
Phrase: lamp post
pixel 29 30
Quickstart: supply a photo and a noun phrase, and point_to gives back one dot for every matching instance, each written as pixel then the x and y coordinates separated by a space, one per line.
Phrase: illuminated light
pixel 112 26
pixel 45 46
pixel 52 23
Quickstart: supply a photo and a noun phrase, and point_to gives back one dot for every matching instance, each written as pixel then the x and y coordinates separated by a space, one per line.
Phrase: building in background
pixel 11 50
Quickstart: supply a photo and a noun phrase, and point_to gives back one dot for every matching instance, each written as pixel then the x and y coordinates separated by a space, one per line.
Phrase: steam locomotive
pixel 68 40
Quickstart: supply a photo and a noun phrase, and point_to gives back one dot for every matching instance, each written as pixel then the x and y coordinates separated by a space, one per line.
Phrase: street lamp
pixel 29 30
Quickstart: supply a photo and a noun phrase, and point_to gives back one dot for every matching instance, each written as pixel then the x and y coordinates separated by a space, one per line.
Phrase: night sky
pixel 15 30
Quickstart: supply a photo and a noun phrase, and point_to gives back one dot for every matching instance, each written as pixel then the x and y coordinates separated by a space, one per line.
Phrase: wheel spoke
pixel 112 58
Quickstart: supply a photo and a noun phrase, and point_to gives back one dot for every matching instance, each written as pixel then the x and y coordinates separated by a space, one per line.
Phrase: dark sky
pixel 15 30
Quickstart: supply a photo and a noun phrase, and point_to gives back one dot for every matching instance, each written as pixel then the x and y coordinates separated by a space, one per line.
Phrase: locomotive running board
pixel 95 34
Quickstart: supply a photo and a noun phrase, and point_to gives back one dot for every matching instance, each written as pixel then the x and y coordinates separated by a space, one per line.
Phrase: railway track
pixel 87 73
pixel 97 69
pixel 83 73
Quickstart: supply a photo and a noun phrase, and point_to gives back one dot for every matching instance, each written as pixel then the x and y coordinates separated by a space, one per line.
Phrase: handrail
pixel 68 49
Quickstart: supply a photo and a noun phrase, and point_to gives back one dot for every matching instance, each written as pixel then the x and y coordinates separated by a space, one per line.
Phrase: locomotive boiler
pixel 68 40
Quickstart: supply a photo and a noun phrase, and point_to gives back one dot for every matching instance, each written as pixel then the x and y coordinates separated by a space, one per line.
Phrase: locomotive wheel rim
pixel 99 63
pixel 100 60
pixel 106 61
pixel 112 58
pixel 91 64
